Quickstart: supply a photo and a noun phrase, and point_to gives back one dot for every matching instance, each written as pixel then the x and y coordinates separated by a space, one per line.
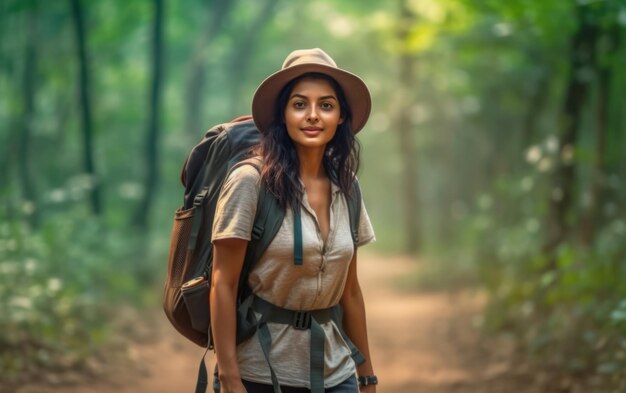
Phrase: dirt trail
pixel 419 343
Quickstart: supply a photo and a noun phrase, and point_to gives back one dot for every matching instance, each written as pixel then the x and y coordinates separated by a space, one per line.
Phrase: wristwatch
pixel 368 380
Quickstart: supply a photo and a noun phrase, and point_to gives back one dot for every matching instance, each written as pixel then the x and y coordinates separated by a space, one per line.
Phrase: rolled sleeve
pixel 237 203
pixel 366 230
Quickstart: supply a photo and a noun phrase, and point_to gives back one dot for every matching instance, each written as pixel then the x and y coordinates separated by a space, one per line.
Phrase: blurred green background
pixel 495 154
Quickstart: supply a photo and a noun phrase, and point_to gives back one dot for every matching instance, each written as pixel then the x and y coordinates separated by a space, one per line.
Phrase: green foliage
pixel 568 314
pixel 571 318
pixel 486 113
pixel 58 289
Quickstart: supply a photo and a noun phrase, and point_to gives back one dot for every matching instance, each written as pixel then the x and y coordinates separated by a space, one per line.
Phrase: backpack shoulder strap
pixel 269 216
pixel 354 210
pixel 267 221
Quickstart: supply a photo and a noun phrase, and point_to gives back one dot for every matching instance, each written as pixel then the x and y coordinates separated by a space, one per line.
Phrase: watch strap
pixel 368 380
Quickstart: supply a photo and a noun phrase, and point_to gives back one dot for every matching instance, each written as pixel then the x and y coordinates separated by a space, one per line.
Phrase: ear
pixel 341 119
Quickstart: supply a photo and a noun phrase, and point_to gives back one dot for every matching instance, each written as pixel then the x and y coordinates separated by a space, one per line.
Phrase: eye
pixel 298 104
pixel 327 106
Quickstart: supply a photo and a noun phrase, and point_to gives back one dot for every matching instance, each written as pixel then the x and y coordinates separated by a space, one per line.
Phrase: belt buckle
pixel 301 320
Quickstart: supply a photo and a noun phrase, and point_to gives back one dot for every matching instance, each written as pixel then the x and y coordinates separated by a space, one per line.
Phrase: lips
pixel 311 131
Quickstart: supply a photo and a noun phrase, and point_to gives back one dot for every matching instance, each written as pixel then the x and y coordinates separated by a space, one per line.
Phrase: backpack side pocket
pixel 196 295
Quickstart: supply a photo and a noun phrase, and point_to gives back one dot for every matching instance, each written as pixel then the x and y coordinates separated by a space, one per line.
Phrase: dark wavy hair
pixel 280 170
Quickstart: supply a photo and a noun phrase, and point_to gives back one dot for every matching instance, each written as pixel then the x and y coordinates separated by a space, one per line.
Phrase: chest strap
pixel 301 320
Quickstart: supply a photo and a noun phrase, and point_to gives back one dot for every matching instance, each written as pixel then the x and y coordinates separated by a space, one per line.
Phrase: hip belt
pixel 301 320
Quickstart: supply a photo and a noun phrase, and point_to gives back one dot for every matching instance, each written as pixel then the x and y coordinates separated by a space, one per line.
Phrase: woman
pixel 307 113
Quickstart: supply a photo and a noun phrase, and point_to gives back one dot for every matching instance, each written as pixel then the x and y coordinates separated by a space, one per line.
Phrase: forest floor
pixel 420 342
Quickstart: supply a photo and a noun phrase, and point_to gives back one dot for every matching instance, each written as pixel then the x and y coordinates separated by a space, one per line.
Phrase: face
pixel 312 113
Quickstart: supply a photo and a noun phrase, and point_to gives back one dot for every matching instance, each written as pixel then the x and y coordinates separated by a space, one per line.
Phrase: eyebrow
pixel 306 98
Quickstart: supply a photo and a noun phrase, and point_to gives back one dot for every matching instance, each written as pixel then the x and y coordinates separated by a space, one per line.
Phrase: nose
pixel 312 116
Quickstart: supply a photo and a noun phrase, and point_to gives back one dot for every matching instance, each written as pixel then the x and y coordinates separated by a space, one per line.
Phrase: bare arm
pixel 354 322
pixel 228 259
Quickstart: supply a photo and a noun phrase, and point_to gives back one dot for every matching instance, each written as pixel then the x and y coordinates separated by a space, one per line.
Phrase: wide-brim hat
pixel 301 62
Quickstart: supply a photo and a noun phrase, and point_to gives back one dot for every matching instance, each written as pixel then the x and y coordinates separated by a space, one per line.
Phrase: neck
pixel 311 163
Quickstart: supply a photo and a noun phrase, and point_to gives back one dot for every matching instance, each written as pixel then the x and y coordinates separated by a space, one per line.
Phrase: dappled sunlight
pixel 493 154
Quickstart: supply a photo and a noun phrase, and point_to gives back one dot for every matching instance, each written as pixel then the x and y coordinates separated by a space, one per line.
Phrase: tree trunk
pixel 244 51
pixel 537 101
pixel 404 127
pixel 196 80
pixel 153 124
pixel 85 105
pixel 24 158
pixel 590 220
pixel 582 54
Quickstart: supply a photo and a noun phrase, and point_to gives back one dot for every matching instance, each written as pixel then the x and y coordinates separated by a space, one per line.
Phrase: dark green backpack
pixel 185 299
pixel 186 295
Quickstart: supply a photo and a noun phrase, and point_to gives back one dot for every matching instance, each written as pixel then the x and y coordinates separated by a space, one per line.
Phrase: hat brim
pixel 355 90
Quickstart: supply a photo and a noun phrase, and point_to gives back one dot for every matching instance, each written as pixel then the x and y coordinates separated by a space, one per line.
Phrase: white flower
pixel 502 29
pixel 545 164
pixel 21 302
pixel 533 154
pixel 30 265
pixel 552 144
pixel 54 284
pixel 57 195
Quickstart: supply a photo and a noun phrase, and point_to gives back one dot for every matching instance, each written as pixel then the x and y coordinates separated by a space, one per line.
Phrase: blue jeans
pixel 347 386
